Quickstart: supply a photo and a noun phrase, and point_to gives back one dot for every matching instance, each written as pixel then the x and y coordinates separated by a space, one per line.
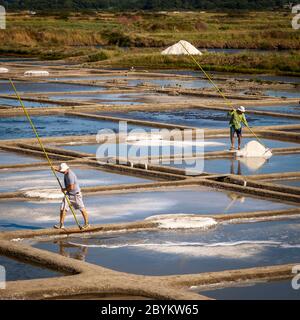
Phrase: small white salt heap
pixel 3 70
pixel 182 221
pixel 141 137
pixel 43 193
pixel 158 140
pixel 255 150
pixel 36 73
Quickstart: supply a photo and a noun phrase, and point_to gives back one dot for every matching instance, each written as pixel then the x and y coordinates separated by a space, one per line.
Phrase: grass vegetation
pixel 247 62
pixel 82 36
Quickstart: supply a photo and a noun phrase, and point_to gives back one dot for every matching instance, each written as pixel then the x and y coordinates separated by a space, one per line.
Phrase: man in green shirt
pixel 236 120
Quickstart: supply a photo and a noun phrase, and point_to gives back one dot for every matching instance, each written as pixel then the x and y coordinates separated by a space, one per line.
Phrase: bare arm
pixel 70 187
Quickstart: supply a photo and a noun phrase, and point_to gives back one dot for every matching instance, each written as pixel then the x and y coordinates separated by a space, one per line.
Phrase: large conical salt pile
pixel 180 48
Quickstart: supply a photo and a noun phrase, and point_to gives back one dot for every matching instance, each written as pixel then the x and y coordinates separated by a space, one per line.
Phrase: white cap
pixel 241 109
pixel 63 167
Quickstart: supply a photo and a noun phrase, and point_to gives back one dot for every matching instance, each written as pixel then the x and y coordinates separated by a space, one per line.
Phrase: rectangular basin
pixel 272 290
pixel 16 270
pixel 132 206
pixel 44 179
pixel 167 252
pixel 288 182
pixel 154 150
pixel 248 166
pixel 239 166
pixel 35 86
pixel 28 104
pixel 202 118
pixel 7 158
pixel 48 126
pixel 292 108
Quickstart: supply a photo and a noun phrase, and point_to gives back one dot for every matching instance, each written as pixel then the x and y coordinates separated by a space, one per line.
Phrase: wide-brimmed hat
pixel 63 167
pixel 241 109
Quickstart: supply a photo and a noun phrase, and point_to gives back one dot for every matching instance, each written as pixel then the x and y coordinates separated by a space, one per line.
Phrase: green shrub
pixel 117 38
pixel 99 56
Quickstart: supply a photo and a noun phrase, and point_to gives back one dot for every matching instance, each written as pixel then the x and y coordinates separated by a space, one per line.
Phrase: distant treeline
pixel 79 5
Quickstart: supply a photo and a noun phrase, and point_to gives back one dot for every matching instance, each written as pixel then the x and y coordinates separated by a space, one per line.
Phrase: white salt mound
pixel 158 140
pixel 254 149
pixel 36 73
pixel 3 70
pixel 179 221
pixel 43 193
pixel 180 144
pixel 139 137
pixel 180 48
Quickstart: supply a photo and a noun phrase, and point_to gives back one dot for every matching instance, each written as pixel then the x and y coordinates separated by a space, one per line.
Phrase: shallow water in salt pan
pixel 27 104
pixel 214 144
pixel 274 290
pixel 283 93
pixel 90 77
pixel 226 246
pixel 133 206
pixel 191 84
pixel 148 148
pixel 18 127
pixel 41 179
pixel 9 158
pixel 288 182
pixel 16 270
pixel 199 118
pixel 292 108
pixel 104 98
pixel 30 87
pixel 270 143
pixel 247 166
pixel 195 83
pixel 240 166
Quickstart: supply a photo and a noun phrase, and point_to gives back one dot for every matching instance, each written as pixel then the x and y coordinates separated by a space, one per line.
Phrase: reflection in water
pixel 234 197
pixel 69 250
pixel 251 164
pixel 177 251
pixel 276 164
pixel 232 165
